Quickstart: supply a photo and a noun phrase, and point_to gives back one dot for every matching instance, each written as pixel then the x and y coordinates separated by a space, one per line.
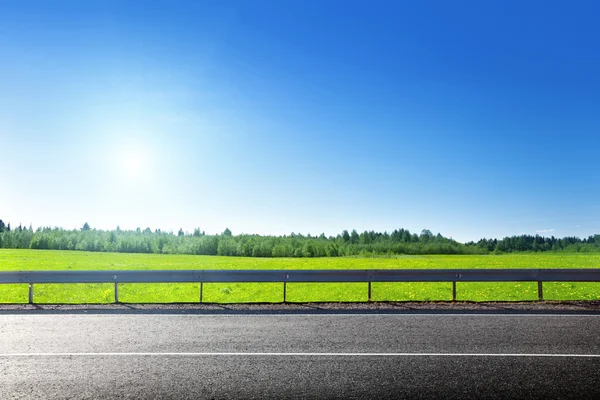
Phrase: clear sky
pixel 470 118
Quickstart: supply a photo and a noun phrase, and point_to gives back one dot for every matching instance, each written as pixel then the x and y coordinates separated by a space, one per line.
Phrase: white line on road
pixel 263 354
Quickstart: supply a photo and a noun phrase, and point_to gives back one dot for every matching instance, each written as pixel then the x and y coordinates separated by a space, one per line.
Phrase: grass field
pixel 15 260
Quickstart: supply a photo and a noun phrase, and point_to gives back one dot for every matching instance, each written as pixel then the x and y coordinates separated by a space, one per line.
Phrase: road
pixel 445 355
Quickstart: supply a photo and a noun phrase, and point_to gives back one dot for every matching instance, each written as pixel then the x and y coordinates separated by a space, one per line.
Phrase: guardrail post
pixel 540 291
pixel 116 292
pixel 369 296
pixel 201 292
pixel 453 290
pixel 31 293
pixel 284 291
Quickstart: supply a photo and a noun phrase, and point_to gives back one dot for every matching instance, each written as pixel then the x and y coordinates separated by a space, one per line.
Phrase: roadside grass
pixel 14 260
pixel 497 291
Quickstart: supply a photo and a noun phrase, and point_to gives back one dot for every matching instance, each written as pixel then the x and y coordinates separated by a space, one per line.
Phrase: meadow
pixel 21 260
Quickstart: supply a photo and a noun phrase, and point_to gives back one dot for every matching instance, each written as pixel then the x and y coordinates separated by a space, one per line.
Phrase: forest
pixel 367 243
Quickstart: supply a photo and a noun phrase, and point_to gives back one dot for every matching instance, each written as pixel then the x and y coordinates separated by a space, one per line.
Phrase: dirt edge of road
pixel 388 307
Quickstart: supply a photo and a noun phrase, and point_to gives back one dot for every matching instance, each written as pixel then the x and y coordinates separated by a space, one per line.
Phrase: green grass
pixel 15 260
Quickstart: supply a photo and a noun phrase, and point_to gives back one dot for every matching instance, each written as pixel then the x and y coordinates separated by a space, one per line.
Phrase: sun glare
pixel 134 164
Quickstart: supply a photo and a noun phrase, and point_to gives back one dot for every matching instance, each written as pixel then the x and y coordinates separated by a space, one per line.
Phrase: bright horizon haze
pixel 473 119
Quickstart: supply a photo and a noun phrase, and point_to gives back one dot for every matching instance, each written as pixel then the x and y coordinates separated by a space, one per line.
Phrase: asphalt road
pixel 299 356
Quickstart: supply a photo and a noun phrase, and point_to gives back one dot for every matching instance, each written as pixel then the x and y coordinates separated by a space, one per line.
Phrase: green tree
pixel 345 236
pixel 426 234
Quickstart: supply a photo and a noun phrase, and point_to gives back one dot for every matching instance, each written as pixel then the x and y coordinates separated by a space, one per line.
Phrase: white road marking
pixel 263 354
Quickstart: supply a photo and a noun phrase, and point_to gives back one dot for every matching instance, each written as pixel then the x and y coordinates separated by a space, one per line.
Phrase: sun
pixel 134 163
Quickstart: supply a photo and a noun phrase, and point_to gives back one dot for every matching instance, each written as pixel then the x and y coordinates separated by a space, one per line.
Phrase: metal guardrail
pixel 307 276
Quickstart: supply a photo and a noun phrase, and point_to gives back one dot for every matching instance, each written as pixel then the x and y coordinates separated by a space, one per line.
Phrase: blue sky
pixel 473 119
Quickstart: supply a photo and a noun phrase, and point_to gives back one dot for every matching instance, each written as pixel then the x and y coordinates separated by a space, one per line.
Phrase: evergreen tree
pixel 354 238
pixel 345 236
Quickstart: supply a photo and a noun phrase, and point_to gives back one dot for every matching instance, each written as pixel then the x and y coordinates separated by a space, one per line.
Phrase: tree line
pixel 539 243
pixel 367 243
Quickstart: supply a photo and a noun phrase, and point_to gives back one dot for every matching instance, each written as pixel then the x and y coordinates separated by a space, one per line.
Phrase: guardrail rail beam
pixel 308 276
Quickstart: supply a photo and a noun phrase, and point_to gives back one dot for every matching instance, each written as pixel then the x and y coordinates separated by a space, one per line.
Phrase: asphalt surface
pixel 311 355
